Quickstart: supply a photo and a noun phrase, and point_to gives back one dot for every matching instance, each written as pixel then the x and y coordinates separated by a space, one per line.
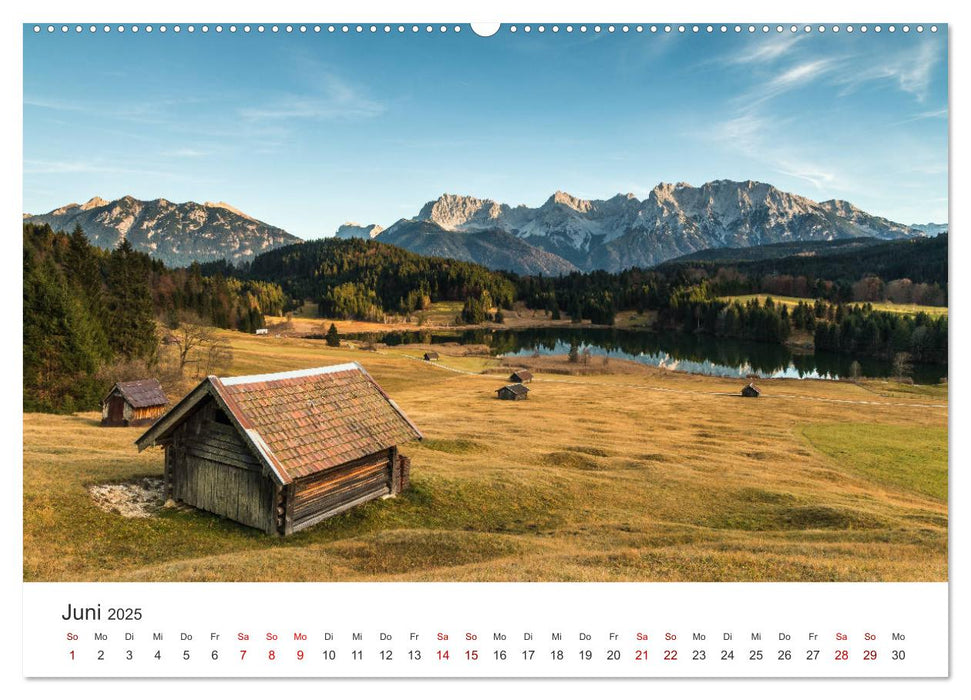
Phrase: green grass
pixel 891 389
pixel 904 457
pixel 877 305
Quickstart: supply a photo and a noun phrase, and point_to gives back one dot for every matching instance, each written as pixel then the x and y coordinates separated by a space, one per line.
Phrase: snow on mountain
pixel 355 230
pixel 177 234
pixel 931 229
pixel 673 220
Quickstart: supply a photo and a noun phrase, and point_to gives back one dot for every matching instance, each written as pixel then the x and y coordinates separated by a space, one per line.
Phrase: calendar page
pixel 532 349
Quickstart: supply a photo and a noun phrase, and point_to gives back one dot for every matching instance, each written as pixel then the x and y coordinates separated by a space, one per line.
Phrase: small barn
pixel 133 403
pixel 521 376
pixel 512 392
pixel 281 452
pixel 431 356
pixel 751 391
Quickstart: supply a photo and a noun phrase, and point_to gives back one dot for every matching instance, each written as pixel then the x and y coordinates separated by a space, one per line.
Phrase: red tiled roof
pixel 304 421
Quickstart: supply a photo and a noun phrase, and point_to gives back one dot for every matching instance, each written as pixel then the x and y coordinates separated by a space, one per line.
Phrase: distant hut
pixel 751 391
pixel 262 331
pixel 521 376
pixel 512 392
pixel 133 403
pixel 281 452
pixel 170 340
pixel 431 356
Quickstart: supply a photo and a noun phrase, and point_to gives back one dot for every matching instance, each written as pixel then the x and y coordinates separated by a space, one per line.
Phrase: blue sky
pixel 306 131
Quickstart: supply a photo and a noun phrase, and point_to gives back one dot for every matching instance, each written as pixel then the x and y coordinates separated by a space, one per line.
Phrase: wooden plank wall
pixel 212 469
pixel 321 495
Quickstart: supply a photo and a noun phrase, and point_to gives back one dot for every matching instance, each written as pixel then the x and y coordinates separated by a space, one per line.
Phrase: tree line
pixel 87 310
pixel 367 280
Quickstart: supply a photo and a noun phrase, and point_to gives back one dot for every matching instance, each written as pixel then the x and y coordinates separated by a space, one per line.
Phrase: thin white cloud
pixel 768 50
pixel 185 153
pixel 70 167
pixel 754 135
pixel 797 76
pixel 818 177
pixel 792 77
pixel 912 71
pixel 335 99
pixel 744 131
pixel 53 104
pixel 921 116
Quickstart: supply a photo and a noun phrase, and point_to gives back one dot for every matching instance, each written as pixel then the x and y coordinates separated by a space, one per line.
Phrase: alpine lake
pixel 682 352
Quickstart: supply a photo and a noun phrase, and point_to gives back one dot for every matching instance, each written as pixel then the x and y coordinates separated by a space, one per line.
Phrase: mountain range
pixel 177 234
pixel 624 231
pixel 562 235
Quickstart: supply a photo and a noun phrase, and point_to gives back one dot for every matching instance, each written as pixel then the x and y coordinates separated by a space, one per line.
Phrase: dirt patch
pixel 134 499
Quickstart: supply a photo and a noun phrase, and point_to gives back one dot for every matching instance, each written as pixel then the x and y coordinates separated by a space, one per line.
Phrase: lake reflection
pixel 684 352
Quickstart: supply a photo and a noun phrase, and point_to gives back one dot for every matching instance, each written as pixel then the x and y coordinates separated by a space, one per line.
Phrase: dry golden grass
pixel 441 315
pixel 652 476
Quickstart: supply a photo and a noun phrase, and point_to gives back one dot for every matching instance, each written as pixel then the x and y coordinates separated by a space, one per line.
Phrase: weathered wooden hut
pixel 133 403
pixel 521 376
pixel 751 391
pixel 512 392
pixel 431 356
pixel 281 452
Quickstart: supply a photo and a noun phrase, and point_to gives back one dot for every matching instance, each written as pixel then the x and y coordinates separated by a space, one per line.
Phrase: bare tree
pixel 193 341
pixel 218 357
pixel 902 366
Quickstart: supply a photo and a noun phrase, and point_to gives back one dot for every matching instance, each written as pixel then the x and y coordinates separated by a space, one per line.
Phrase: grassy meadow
pixel 640 475
pixel 877 305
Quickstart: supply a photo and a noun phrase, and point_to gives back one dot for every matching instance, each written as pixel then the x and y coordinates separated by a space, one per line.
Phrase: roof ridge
pixel 290 374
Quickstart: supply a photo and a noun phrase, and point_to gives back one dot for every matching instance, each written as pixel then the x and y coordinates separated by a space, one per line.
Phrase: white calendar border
pixel 508 10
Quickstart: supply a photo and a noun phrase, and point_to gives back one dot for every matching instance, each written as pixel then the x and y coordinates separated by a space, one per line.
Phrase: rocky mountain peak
pixel 352 229
pixel 227 207
pixel 675 219
pixel 177 234
pixel 452 211
pixel 568 200
pixel 94 203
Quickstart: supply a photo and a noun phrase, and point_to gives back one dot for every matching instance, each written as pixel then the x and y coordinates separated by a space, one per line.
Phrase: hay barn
pixel 133 403
pixel 751 391
pixel 431 356
pixel 281 452
pixel 512 392
pixel 521 376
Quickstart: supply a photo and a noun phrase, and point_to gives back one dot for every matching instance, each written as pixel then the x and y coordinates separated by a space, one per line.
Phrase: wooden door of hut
pixel 116 409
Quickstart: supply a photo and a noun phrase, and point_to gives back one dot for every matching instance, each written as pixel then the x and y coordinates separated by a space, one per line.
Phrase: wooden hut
pixel 751 391
pixel 431 356
pixel 281 452
pixel 133 403
pixel 521 376
pixel 512 392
